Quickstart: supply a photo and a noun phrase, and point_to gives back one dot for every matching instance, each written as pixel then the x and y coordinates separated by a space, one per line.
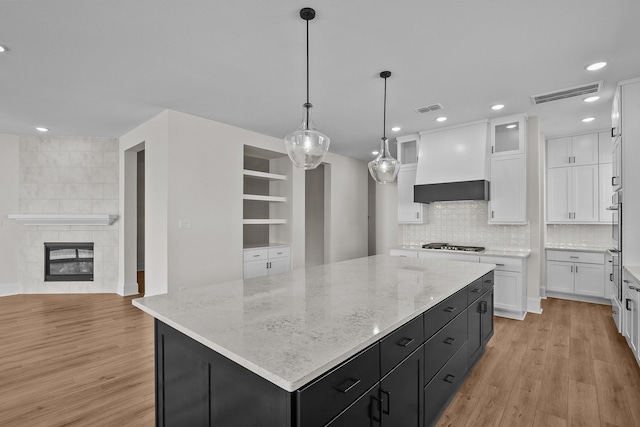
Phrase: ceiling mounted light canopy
pixel 596 66
pixel 306 146
pixel 384 168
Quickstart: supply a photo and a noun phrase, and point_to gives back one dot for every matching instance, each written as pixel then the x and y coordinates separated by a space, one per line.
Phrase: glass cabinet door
pixel 507 135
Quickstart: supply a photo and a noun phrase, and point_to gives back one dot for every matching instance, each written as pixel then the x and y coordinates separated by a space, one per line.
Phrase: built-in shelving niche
pixel 266 197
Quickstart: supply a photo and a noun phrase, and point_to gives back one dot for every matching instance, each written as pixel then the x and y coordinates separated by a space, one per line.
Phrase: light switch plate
pixel 184 224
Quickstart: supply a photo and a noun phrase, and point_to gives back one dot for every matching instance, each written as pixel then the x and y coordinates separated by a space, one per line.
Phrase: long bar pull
pixel 388 411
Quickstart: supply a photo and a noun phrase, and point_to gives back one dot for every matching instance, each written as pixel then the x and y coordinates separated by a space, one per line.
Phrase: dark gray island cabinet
pixel 406 377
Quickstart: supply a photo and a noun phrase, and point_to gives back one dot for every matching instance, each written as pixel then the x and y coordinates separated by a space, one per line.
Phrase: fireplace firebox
pixel 68 262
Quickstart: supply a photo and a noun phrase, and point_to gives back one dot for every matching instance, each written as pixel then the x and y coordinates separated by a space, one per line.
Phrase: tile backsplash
pixel 465 223
pixel 69 175
pixel 579 235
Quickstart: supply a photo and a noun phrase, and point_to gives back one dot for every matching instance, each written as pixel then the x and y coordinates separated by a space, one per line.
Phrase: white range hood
pixel 453 164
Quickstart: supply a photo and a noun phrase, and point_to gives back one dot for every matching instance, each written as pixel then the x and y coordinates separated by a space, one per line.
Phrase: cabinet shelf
pixel 264 175
pixel 263 221
pixel 263 198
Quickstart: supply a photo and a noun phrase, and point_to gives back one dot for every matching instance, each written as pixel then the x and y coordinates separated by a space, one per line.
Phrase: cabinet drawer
pixel 474 291
pixel 279 252
pixel 570 256
pixel 487 282
pixel 439 349
pixel 256 254
pixel 399 344
pixel 504 264
pixel 436 317
pixel 327 396
pixel 444 385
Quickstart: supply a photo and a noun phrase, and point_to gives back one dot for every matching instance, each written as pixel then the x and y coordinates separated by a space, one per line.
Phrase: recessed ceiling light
pixel 396 128
pixel 2 49
pixel 41 129
pixel 591 99
pixel 511 126
pixel 441 119
pixel 596 66
pixel 588 119
pixel 375 153
pixel 497 107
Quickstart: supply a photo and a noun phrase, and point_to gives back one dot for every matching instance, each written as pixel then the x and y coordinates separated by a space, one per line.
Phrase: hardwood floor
pixel 75 360
pixel 87 360
pixel 566 367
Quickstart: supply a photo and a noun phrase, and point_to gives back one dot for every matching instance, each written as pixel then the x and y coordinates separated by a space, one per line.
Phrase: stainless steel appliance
pixel 615 261
pixel 448 247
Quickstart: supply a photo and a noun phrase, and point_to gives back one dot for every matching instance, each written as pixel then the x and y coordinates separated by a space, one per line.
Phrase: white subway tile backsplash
pixel 466 223
pixel 575 235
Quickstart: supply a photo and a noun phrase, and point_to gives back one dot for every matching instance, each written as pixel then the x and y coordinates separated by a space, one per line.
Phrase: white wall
pixel 9 231
pixel 387 228
pixel 535 211
pixel 154 134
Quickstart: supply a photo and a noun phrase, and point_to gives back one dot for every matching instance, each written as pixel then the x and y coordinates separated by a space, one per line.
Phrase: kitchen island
pixel 326 345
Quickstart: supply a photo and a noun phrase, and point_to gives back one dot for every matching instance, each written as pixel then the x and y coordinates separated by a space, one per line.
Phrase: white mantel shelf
pixel 50 219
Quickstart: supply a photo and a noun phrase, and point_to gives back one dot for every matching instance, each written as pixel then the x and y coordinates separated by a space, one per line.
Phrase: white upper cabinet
pixel 605 148
pixel 572 151
pixel 605 193
pixel 572 194
pixel 408 149
pixel 408 211
pixel 508 135
pixel 508 181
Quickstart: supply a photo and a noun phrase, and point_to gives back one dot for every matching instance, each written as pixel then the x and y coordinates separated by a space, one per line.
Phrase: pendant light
pixel 306 146
pixel 384 168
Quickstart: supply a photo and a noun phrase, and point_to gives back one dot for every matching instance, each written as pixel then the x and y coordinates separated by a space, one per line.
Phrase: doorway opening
pixel 140 221
pixel 316 228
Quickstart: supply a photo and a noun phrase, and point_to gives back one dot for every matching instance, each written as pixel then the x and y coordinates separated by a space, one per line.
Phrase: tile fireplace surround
pixel 68 176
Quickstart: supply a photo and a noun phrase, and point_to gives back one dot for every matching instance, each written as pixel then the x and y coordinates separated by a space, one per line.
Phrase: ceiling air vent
pixel 566 93
pixel 428 108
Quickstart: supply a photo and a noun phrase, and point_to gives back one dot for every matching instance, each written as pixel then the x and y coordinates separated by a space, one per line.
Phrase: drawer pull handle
pixel 378 406
pixel 449 341
pixel 488 281
pixel 476 290
pixel 279 253
pixel 574 257
pixel 499 265
pixel 626 281
pixel 404 342
pixel 611 277
pixel 388 411
pixel 450 378
pixel 347 385
pixel 450 309
pixel 626 304
pixel 256 256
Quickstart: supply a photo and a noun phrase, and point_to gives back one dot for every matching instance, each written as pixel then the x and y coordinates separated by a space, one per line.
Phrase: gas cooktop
pixel 448 247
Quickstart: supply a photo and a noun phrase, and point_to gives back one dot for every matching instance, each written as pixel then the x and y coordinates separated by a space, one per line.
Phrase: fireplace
pixel 68 262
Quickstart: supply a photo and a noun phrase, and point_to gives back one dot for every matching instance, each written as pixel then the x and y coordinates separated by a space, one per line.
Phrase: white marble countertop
pixel 633 270
pixel 486 252
pixel 265 245
pixel 290 328
pixel 576 248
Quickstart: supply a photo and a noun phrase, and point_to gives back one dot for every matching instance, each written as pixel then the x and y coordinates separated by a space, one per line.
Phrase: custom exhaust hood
pixel 453 164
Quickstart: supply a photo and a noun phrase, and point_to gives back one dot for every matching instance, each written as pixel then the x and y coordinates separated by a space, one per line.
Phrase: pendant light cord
pixel 384 115
pixel 307 105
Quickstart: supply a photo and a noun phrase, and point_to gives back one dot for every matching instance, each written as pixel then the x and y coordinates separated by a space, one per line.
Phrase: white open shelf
pixel 48 219
pixel 263 221
pixel 264 175
pixel 264 198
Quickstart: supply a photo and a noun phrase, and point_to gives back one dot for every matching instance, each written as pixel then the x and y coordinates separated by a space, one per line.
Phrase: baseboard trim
pixel 581 298
pixel 515 315
pixel 129 289
pixel 8 289
pixel 533 305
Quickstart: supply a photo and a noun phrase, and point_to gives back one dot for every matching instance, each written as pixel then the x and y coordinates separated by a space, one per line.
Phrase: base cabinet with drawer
pixel 574 273
pixel 266 261
pixel 405 379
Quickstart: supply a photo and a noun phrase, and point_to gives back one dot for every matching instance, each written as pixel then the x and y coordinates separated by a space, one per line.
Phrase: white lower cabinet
pixel 510 294
pixel 266 261
pixel 509 281
pixel 631 294
pixel 576 273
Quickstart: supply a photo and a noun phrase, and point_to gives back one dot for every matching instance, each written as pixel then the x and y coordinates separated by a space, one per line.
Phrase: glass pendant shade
pixel 384 168
pixel 306 146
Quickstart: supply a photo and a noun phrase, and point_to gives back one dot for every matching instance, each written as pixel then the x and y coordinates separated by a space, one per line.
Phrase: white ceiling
pixel 101 68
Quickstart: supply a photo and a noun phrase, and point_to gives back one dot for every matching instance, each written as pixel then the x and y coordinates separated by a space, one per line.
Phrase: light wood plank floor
pixel 566 367
pixel 87 360
pixel 75 360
